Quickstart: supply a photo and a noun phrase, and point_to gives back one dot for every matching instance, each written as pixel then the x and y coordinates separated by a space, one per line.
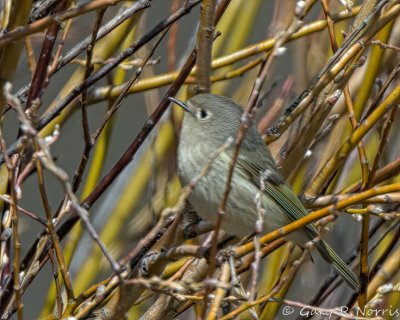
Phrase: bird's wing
pixel 257 162
pixel 276 187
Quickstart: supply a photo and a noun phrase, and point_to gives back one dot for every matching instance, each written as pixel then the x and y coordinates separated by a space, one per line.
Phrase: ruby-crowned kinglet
pixel 209 121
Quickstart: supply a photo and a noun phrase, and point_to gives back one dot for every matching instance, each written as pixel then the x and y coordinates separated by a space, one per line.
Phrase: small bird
pixel 209 121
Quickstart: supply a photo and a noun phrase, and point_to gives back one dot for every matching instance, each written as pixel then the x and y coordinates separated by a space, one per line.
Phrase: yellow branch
pixel 318 214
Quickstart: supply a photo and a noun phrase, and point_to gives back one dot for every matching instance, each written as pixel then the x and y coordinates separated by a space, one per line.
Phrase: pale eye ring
pixel 202 114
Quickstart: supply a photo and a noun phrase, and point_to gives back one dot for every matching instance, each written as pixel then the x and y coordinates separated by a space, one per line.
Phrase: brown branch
pixel 11 164
pixel 132 80
pixel 102 93
pixel 54 266
pixel 85 121
pixel 126 158
pixel 173 34
pixel 58 18
pixel 106 69
pixel 29 214
pixel 205 38
pixel 45 56
pixel 50 226
pixel 73 204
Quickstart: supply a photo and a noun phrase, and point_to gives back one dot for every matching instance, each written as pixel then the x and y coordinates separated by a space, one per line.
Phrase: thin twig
pixel 333 67
pixel 282 281
pixel 57 18
pixel 55 268
pixel 102 93
pixel 132 80
pixel 60 61
pixel 220 292
pixel 106 69
pixel 44 60
pixel 318 214
pixel 85 121
pixel 50 226
pixel 13 212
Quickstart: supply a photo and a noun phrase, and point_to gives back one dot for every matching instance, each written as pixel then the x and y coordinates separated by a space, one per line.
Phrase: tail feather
pixel 339 265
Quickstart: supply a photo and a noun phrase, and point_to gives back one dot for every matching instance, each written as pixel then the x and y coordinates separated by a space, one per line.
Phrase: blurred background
pixel 131 206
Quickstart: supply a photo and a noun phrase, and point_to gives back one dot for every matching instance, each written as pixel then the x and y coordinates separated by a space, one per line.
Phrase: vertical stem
pixel 59 305
pixel 364 268
pixel 53 234
pixel 205 37
pixel 219 292
pixel 16 242
pixel 11 165
pixel 85 120
pixel 45 55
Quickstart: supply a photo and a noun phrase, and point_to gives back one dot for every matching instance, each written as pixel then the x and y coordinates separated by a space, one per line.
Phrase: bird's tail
pixel 338 264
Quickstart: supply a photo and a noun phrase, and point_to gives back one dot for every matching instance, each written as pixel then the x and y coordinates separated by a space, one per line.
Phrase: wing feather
pixel 276 188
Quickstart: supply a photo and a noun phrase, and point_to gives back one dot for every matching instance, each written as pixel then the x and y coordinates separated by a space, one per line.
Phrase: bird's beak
pixel 180 103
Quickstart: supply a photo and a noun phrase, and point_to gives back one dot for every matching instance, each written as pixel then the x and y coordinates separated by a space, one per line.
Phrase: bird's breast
pixel 241 211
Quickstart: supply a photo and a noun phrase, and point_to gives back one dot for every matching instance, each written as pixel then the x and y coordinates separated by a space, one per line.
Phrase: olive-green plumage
pixel 208 123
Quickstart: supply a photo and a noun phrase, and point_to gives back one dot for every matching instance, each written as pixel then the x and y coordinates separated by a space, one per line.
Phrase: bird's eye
pixel 202 114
